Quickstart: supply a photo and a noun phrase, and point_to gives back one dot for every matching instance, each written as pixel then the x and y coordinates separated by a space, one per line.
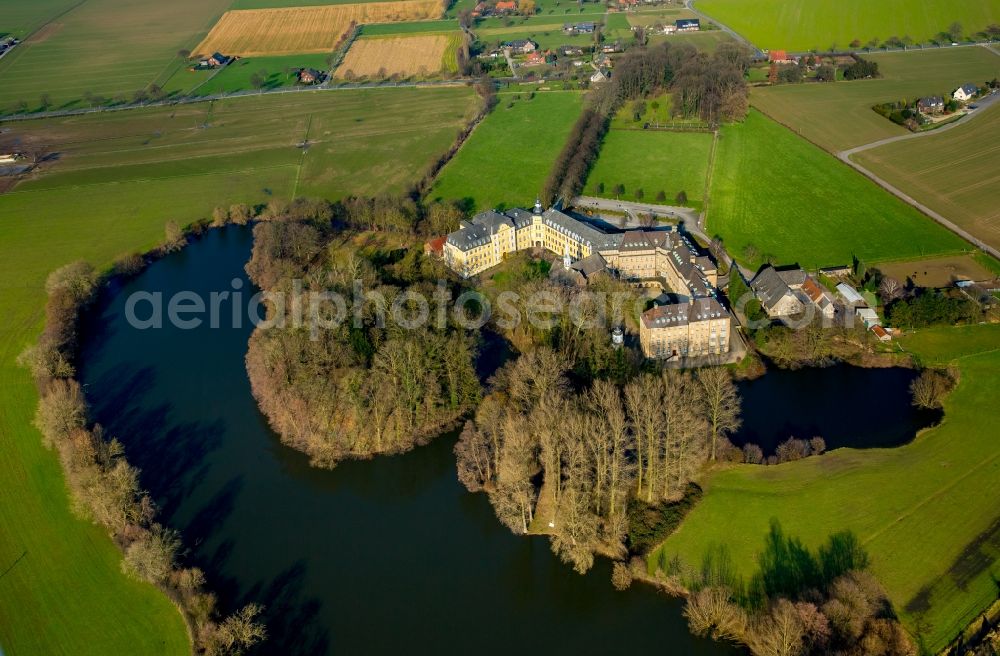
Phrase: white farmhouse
pixel 965 93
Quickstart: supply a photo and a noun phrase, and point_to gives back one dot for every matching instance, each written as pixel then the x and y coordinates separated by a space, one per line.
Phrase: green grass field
pixel 279 71
pixel 653 161
pixel 926 512
pixel 551 37
pixel 704 41
pixel 120 178
pixel 64 592
pixel 956 173
pixel 268 4
pixel 508 157
pixel 665 16
pixel 184 81
pixel 796 203
pixel 658 110
pixel 839 116
pixel 459 6
pixel 545 30
pixel 616 26
pixel 22 18
pixel 548 7
pixel 105 47
pixel 412 27
pixel 542 21
pixel 801 25
pixel 348 142
pixel 449 60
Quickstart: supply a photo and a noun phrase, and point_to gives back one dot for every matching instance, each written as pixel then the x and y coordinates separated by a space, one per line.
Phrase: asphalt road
pixel 982 105
pixel 690 218
pixel 990 103
pixel 689 4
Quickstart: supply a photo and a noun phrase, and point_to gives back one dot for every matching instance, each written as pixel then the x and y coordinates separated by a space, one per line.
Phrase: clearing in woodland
pixel 289 30
pixel 400 55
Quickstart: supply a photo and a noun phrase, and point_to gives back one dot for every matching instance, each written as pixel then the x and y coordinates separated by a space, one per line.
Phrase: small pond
pixel 845 405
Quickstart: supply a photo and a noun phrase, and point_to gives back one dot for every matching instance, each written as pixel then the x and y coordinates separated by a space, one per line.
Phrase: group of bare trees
pixel 931 387
pixel 852 618
pixel 570 169
pixel 799 602
pixel 712 87
pixel 104 487
pixel 361 386
pixel 566 464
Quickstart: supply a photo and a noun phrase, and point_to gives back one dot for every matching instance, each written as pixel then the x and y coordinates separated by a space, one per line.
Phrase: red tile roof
pixel 436 246
pixel 777 55
pixel 812 290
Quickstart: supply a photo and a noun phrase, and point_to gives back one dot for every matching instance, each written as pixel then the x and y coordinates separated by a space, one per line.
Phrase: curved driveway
pixel 845 156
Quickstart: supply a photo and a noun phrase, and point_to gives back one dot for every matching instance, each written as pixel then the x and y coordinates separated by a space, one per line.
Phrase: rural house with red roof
pixel 779 57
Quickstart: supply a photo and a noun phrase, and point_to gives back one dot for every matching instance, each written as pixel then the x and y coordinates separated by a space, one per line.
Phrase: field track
pixel 304 29
pixel 949 173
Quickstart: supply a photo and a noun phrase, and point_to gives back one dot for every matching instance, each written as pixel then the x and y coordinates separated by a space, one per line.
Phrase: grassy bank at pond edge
pixel 61 576
pixel 926 512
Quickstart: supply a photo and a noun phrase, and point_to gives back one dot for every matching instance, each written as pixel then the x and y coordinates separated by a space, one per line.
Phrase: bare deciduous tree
pixel 710 611
pixel 621 576
pixel 473 459
pixel 930 388
pixel 889 289
pixel 721 402
pixel 779 633
pixel 174 237
pixel 61 410
pixel 152 556
pixel 220 216
pixel 237 633
pixel 240 214
pixel 644 400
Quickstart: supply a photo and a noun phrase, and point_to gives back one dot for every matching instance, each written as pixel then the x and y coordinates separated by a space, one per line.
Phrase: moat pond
pixel 377 556
pixel 847 406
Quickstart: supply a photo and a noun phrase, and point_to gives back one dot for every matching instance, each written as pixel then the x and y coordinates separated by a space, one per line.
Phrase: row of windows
pixel 661 351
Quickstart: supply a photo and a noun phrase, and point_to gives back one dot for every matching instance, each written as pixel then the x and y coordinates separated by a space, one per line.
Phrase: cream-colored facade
pixel 696 325
pixel 699 327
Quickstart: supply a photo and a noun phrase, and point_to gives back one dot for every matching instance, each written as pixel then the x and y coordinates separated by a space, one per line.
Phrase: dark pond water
pixel 383 556
pixel 845 405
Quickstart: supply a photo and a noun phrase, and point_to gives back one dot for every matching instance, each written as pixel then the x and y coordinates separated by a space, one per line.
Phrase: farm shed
pixel 850 294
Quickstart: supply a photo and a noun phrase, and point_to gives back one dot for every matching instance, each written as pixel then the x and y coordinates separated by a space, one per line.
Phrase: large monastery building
pixel 696 324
